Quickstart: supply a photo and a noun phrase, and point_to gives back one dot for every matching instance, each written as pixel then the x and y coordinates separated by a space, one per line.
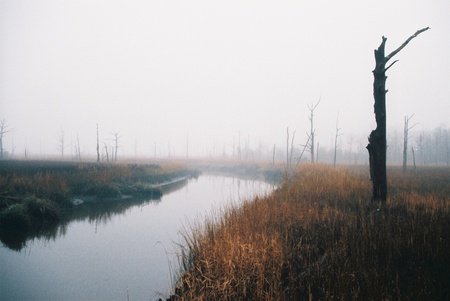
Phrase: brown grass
pixel 319 237
pixel 44 185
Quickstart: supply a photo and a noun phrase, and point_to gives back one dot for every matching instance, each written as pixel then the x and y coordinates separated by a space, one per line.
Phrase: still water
pixel 120 253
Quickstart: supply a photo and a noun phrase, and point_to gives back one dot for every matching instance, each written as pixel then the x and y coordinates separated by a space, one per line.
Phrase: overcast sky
pixel 159 71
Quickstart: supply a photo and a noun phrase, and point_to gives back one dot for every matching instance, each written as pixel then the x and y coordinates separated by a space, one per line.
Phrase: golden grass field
pixel 320 237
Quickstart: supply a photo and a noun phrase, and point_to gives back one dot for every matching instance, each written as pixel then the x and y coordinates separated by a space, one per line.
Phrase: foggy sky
pixel 158 72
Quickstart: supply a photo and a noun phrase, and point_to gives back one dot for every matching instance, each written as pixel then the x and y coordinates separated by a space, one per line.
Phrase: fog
pixel 212 74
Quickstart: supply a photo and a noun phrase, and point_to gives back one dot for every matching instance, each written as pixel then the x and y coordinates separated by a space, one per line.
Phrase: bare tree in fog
pixel 289 150
pixel 4 129
pixel 77 149
pixel 273 154
pixel 336 145
pixel 98 146
pixel 377 139
pixel 106 151
pixel 303 151
pixel 116 147
pixel 312 133
pixel 61 143
pixel 405 140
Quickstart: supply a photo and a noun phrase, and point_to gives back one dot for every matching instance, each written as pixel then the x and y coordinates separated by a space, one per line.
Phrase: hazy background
pixel 158 72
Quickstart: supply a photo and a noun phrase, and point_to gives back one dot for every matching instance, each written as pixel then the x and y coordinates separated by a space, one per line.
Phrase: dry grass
pixel 319 237
pixel 39 186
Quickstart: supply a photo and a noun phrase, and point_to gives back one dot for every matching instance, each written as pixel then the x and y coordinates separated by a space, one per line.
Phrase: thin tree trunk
pixel 405 144
pixel 98 147
pixel 273 155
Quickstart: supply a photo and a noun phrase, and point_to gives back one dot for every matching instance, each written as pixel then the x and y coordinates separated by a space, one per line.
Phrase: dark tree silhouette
pixel 377 139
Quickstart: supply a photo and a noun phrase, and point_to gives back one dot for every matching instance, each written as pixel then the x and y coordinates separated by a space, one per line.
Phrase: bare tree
pixel 77 149
pixel 116 147
pixel 405 139
pixel 303 151
pixel 289 149
pixel 312 133
pixel 61 143
pixel 106 151
pixel 273 154
pixel 4 129
pixel 98 146
pixel 377 139
pixel 336 144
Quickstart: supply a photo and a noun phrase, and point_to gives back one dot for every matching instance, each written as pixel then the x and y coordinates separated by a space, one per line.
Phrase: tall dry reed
pixel 319 237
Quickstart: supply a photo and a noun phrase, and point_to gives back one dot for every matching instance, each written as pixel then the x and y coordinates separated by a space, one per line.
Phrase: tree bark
pixel 377 139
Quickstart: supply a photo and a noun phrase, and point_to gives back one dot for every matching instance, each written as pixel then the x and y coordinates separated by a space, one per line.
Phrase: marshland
pixel 224 150
pixel 313 235
pixel 39 192
pixel 320 237
pixel 74 243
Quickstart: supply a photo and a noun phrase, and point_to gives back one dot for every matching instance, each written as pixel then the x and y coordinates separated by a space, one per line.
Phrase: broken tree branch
pixel 405 43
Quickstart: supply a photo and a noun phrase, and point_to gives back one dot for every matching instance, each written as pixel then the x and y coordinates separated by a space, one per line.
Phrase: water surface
pixel 121 253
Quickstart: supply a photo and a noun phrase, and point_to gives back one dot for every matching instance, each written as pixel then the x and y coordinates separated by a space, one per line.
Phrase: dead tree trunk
pixel 3 130
pixel 107 154
pixel 116 142
pixel 287 151
pixel 336 144
pixel 98 147
pixel 78 149
pixel 405 140
pixel 377 139
pixel 312 133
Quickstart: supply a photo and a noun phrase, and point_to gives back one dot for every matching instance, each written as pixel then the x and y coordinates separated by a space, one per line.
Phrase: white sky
pixel 157 71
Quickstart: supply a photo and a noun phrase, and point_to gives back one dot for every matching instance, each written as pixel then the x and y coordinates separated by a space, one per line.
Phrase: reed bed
pixel 32 192
pixel 319 237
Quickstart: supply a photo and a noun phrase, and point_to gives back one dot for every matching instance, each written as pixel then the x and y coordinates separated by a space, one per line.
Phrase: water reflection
pixel 124 252
pixel 95 212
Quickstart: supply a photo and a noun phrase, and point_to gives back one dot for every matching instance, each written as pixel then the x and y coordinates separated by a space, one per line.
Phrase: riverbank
pixel 319 237
pixel 268 172
pixel 37 192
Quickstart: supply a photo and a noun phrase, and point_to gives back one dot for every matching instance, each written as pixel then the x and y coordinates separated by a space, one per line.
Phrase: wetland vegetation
pixel 319 237
pixel 33 193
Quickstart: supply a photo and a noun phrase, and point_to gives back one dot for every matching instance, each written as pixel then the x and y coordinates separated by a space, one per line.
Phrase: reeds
pixel 38 191
pixel 319 237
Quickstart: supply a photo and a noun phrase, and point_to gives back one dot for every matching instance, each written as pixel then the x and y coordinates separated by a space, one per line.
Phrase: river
pixel 116 253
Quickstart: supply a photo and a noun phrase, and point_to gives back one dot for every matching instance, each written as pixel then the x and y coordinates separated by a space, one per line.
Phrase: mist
pixel 202 78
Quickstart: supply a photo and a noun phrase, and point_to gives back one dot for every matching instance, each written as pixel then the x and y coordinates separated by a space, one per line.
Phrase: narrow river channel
pixel 125 253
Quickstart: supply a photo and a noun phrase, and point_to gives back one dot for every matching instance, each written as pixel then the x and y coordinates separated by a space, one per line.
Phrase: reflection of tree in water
pixel 98 211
